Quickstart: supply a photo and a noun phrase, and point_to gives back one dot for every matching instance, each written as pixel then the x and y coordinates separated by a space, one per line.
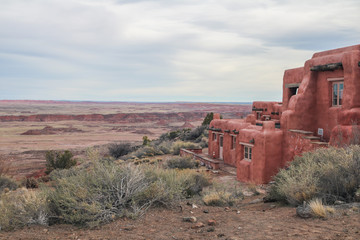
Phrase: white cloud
pixel 164 50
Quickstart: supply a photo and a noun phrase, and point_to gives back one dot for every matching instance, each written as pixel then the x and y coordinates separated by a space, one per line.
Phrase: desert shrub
pixel 108 191
pixel 180 144
pixel 218 198
pixel 195 134
pixel 99 195
pixel 146 140
pixel 329 174
pixel 30 182
pixel 59 160
pixel 7 183
pixel 181 163
pixel 165 146
pixel 147 151
pixel 21 208
pixel 117 150
pixel 176 185
pixel 4 165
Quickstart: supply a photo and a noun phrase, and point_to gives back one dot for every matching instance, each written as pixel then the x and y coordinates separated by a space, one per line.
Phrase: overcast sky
pixel 164 50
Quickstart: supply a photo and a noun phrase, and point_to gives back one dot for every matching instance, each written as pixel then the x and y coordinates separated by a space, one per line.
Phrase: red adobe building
pixel 320 107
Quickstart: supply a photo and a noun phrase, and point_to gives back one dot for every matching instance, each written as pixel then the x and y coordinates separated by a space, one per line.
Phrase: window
pixel 247 153
pixel 233 142
pixel 337 93
pixel 293 91
pixel 214 136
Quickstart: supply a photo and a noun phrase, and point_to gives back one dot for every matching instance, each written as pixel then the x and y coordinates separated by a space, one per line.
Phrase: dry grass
pixel 218 198
pixel 319 210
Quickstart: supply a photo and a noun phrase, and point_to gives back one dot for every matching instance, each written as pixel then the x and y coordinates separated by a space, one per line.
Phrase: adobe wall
pixel 266 153
pixel 312 108
pixel 272 109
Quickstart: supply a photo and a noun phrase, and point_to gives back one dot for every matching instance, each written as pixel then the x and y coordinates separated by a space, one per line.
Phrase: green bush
pixel 181 163
pixel 329 174
pixel 195 134
pixel 165 147
pixel 59 160
pixel 209 117
pixel 118 150
pixel 180 144
pixel 21 208
pixel 7 183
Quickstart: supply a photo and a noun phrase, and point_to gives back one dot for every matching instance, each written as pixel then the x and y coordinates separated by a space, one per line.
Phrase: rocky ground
pixel 250 219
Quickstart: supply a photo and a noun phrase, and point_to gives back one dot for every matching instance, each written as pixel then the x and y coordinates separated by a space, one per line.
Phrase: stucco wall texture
pixel 306 119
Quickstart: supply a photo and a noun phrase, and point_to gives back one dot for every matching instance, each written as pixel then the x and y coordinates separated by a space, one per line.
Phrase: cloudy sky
pixel 164 50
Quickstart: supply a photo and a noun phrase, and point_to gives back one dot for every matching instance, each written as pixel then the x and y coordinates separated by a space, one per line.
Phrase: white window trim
pixel 335 79
pixel 249 148
pixel 246 144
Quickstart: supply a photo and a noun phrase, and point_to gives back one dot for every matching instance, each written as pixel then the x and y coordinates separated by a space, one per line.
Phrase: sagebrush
pixel 108 191
pixel 181 163
pixel 59 160
pixel 329 174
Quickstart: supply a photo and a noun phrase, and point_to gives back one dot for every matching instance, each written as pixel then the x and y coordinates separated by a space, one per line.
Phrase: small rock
pixel 258 200
pixel 210 229
pixel 191 212
pixel 45 230
pixel 198 225
pixel 205 211
pixel 248 194
pixel 221 235
pixel 211 222
pixel 304 211
pixel 237 212
pixel 129 228
pixel 189 219
pixel 338 202
pixel 227 209
pixel 194 206
pixel 215 172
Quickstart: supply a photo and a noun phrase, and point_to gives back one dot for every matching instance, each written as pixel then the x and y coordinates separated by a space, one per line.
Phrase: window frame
pixel 233 142
pixel 247 153
pixel 336 83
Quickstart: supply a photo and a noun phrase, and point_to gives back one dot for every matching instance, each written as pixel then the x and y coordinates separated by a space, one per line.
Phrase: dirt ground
pixel 246 220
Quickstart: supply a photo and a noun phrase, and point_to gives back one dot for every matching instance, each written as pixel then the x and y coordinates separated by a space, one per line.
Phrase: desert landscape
pixel 30 128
